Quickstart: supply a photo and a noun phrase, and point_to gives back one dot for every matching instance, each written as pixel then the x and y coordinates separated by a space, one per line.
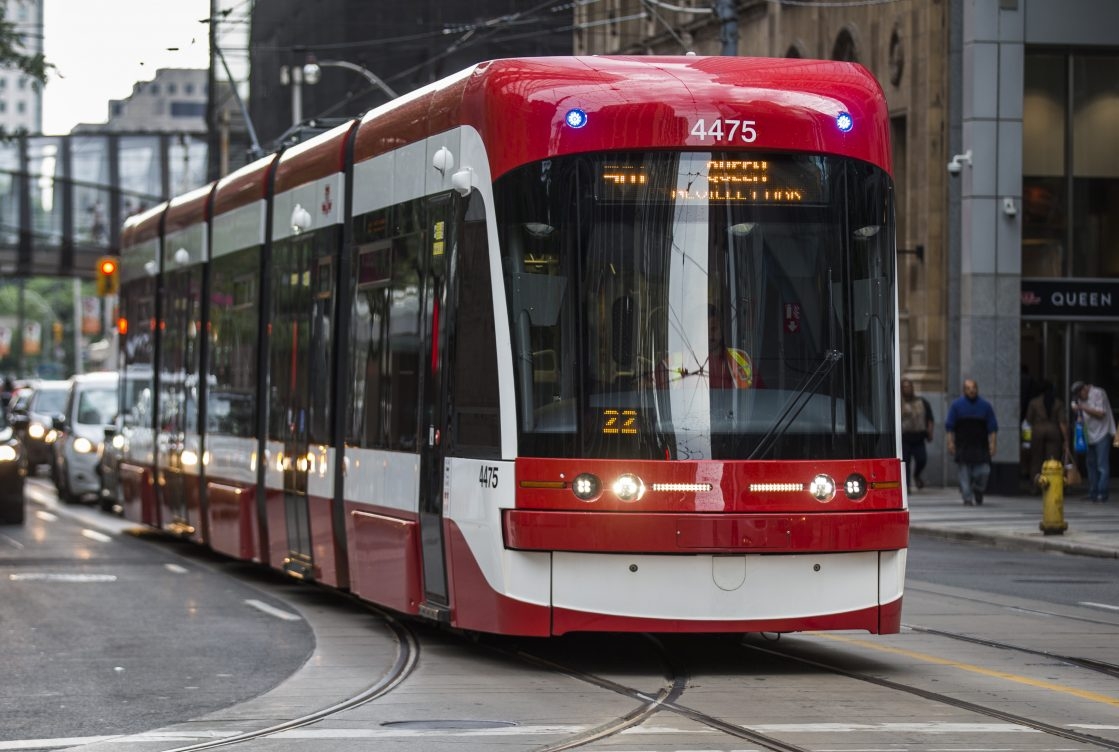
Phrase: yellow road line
pixel 1082 694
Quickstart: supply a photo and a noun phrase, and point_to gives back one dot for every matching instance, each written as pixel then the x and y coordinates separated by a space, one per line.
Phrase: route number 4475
pixel 722 129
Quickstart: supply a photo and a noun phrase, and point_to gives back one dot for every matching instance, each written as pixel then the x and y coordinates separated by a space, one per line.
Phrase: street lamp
pixel 310 73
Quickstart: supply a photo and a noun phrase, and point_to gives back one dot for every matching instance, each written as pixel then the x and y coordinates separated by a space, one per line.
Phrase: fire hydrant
pixel 1052 482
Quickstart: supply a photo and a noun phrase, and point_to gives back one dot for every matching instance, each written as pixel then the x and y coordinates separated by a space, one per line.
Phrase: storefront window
pixel 1044 195
pixel 1095 204
pixel 1070 161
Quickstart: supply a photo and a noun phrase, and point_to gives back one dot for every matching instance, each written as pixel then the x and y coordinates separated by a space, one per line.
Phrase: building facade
pixel 21 98
pixel 1005 165
pixel 174 101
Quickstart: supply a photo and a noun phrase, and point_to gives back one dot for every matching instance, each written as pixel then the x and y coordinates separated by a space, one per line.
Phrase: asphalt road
pixel 103 633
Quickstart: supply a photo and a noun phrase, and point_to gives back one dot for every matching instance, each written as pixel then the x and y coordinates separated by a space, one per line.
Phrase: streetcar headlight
pixel 822 488
pixel 8 453
pixel 855 487
pixel 82 445
pixel 586 487
pixel 629 487
pixel 36 430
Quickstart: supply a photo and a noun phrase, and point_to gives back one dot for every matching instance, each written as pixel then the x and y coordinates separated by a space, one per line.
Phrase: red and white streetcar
pixel 551 345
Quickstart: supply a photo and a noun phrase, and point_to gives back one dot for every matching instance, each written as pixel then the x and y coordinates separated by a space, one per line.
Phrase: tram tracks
pixel 945 699
pixel 1089 664
pixel 407 655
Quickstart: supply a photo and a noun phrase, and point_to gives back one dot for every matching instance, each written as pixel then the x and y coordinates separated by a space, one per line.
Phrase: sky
pixel 101 48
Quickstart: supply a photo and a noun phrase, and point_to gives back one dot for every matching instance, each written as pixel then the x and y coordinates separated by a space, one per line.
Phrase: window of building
pixel 172 89
pixel 1070 166
pixel 153 89
pixel 188 109
pixel 188 88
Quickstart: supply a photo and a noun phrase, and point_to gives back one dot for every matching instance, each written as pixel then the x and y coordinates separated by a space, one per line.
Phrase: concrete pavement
pixel 1014 521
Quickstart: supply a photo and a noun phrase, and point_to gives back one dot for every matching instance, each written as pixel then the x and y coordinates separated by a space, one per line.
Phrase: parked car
pixel 90 408
pixel 34 416
pixel 13 470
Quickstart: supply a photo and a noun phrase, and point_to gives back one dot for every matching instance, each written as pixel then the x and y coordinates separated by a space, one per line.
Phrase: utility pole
pixel 728 33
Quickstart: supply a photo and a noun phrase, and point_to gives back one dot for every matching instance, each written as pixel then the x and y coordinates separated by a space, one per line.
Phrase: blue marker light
pixel 576 118
pixel 844 122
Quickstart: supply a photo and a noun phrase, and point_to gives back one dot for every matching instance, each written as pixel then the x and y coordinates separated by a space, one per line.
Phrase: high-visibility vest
pixel 741 368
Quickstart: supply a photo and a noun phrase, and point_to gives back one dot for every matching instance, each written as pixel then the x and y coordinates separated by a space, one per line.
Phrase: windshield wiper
pixel 798 400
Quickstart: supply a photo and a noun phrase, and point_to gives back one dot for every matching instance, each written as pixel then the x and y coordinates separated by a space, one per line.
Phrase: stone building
pixel 1005 166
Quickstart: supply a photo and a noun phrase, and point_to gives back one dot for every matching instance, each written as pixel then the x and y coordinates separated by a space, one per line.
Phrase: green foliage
pixel 12 54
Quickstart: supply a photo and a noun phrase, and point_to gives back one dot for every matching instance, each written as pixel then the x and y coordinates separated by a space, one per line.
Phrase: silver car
pixel 91 407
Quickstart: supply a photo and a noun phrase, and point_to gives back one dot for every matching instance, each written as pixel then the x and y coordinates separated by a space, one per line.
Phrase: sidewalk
pixel 1014 521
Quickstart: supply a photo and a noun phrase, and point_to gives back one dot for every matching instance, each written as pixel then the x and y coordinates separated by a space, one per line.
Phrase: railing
pixel 63 198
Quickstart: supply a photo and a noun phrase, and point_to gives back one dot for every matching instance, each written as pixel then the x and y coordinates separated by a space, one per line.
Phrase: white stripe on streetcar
pixel 1106 606
pixel 94 535
pixel 175 568
pixel 272 610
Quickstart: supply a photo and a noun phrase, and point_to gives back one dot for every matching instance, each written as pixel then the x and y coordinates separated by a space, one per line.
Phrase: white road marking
pixel 73 741
pixel 94 535
pixel 272 610
pixel 60 577
pixel 1106 606
pixel 175 568
pixel 932 728
pixel 46 516
pixel 12 541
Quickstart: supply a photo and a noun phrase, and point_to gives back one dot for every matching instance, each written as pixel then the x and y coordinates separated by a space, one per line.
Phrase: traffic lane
pixel 1050 576
pixel 103 633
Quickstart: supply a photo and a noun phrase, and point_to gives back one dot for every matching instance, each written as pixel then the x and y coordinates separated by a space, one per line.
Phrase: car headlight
pixel 8 453
pixel 36 430
pixel 82 445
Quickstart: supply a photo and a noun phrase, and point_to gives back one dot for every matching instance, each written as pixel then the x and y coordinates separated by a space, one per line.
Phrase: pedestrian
pixel 1048 422
pixel 1094 410
pixel 917 424
pixel 972 432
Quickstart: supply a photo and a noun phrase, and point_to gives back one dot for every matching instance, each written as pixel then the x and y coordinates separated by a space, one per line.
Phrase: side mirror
pixel 20 421
pixel 58 422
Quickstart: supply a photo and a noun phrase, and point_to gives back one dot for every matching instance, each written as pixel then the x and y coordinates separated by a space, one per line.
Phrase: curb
pixel 1017 542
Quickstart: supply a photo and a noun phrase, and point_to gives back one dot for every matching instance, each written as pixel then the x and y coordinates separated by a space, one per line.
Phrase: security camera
pixel 957 162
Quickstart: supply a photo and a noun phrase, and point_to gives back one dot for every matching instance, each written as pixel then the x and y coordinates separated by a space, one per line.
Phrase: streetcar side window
pixel 385 334
pixel 475 419
pixel 234 330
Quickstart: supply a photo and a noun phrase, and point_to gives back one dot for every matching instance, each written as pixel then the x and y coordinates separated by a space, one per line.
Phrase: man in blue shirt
pixel 972 440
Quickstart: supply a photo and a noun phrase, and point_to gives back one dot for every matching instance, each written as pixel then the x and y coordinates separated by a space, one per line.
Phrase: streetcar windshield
pixel 700 305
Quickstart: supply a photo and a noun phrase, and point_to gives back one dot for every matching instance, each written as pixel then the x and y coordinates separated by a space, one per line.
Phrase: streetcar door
pixel 437 248
pixel 288 414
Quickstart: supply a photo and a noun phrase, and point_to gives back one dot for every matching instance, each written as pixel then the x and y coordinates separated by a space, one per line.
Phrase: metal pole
pixel 77 325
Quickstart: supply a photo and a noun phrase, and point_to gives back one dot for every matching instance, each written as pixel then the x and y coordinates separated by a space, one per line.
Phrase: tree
pixel 12 54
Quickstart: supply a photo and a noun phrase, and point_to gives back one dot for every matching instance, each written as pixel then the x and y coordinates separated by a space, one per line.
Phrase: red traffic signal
pixel 108 276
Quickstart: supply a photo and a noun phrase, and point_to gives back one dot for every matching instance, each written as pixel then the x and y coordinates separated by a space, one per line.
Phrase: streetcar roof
pixel 646 102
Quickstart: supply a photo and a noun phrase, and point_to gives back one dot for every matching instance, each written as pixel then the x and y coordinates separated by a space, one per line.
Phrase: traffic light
pixel 108 276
